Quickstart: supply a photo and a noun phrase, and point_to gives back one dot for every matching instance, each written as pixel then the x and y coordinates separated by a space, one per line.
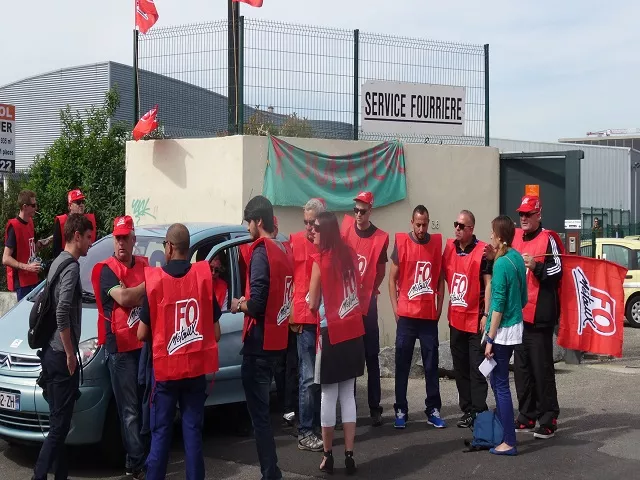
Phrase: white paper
pixel 487 366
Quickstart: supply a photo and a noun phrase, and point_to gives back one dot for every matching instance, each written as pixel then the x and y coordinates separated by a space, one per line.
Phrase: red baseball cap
pixel 322 201
pixel 122 226
pixel 366 197
pixel 74 196
pixel 529 203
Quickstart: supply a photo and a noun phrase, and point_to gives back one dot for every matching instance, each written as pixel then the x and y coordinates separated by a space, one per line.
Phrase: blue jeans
pixel 257 373
pixel 22 292
pixel 408 330
pixel 371 355
pixel 189 394
pixel 499 378
pixel 309 393
pixel 123 368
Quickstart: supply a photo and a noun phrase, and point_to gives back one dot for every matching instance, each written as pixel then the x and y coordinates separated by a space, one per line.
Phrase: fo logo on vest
pixel 32 247
pixel 362 264
pixel 134 316
pixel 421 280
pixel 285 310
pixel 186 324
pixel 596 308
pixel 459 285
pixel 350 299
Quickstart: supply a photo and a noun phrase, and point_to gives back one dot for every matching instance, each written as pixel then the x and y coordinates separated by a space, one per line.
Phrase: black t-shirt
pixel 394 254
pixel 13 244
pixel 177 269
pixel 367 234
pixel 57 238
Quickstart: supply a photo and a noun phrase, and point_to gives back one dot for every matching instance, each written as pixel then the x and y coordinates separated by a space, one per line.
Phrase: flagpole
pixel 232 59
pixel 136 92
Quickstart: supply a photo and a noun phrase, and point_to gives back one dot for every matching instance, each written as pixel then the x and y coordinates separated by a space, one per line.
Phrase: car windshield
pixel 150 247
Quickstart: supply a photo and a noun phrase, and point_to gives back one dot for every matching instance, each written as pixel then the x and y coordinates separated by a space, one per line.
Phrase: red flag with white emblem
pixel 253 3
pixel 146 124
pixel 592 305
pixel 146 15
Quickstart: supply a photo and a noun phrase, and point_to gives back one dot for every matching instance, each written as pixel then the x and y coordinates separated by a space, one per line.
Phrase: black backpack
pixel 42 319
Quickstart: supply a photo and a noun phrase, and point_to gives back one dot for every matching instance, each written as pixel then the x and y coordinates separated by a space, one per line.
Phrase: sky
pixel 558 68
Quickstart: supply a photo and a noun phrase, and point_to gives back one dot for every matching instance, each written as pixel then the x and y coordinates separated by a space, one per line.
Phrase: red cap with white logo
pixel 365 197
pixel 74 196
pixel 529 204
pixel 122 226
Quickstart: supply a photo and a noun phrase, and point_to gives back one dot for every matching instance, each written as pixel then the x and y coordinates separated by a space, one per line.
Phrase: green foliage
pixel 261 123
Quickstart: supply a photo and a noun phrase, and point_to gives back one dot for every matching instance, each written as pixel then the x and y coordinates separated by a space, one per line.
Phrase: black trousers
pixel 286 376
pixel 467 355
pixel 535 377
pixel 62 391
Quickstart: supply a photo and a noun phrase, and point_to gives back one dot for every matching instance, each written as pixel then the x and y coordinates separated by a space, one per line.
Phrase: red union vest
pixel 276 316
pixel 62 219
pixel 368 252
pixel 418 276
pixel 244 258
pixel 124 321
pixel 181 309
pixel 341 300
pixel 302 264
pixel 462 273
pixel 25 249
pixel 537 246
pixel 220 290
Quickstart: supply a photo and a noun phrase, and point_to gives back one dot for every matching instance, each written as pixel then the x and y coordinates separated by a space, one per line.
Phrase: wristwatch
pixel 240 302
pixel 489 340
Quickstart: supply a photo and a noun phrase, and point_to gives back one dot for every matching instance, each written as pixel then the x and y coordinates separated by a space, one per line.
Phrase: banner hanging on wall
pixel 294 175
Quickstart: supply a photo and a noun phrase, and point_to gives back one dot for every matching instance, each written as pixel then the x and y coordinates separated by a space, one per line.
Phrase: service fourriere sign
pixel 7 138
pixel 402 108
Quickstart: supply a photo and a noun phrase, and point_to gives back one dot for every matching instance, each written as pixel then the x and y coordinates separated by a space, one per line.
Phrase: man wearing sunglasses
pixel 370 244
pixel 466 267
pixel 533 358
pixel 76 204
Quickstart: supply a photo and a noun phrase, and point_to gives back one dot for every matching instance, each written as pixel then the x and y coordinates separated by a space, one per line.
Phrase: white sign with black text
pixel 413 108
pixel 7 138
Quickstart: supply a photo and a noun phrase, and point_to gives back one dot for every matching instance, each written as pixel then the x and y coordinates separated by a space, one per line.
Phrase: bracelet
pixel 485 315
pixel 489 340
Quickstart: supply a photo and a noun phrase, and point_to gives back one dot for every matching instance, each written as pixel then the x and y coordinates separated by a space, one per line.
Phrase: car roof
pixel 211 228
pixel 627 241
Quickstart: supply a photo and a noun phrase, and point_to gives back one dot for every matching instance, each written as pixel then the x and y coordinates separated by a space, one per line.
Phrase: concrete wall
pixel 212 179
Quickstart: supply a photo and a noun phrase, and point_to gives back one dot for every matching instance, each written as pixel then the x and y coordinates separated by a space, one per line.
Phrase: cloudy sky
pixel 559 68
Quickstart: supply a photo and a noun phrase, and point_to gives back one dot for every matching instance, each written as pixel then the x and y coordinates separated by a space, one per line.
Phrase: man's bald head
pixel 178 236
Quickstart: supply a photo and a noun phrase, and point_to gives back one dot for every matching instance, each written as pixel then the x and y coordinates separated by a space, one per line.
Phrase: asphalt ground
pixel 598 437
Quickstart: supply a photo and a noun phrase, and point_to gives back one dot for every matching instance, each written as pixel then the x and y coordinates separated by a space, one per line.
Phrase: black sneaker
pixel 128 471
pixel 525 427
pixel 466 421
pixel 544 433
pixel 377 418
pixel 289 419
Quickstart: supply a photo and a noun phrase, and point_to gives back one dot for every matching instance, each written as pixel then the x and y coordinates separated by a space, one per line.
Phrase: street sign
pixel 7 138
pixel 573 224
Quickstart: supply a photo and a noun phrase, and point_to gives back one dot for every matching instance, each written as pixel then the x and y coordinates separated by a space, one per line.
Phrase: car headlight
pixel 88 350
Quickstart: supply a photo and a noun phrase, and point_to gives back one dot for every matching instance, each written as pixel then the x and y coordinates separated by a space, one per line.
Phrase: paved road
pixel 599 437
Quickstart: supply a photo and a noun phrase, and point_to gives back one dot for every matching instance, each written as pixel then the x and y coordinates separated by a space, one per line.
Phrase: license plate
pixel 9 401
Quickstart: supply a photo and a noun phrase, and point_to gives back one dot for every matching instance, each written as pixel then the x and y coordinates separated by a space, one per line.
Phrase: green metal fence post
pixel 356 81
pixel 240 105
pixel 486 95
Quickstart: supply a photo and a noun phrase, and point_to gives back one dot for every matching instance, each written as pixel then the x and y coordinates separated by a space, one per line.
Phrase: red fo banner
pixel 146 124
pixel 592 305
pixel 253 3
pixel 146 15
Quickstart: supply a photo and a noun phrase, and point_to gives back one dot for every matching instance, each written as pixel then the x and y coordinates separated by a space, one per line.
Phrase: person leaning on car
pixel 59 358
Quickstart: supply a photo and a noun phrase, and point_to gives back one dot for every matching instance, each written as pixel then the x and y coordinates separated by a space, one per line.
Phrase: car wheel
pixel 632 312
pixel 111 447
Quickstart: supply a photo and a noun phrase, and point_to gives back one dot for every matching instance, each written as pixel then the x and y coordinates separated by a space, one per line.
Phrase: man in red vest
pixel 118 284
pixel 416 289
pixel 220 286
pixel 179 316
pixel 534 370
pixel 370 244
pixel 20 249
pixel 266 306
pixel 76 204
pixel 467 271
pixel 306 324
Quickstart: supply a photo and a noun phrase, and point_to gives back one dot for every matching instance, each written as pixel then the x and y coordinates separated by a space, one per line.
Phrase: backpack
pixel 42 319
pixel 487 432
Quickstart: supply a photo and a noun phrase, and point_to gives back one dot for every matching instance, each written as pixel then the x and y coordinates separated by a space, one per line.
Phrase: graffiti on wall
pixel 141 210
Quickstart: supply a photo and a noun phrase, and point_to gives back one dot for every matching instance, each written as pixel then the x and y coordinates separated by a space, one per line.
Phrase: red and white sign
pixel 7 138
pixel 186 324
pixel 422 280
pixel 592 305
pixel 459 285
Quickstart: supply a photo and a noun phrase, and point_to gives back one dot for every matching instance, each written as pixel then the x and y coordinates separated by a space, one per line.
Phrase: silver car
pixel 24 414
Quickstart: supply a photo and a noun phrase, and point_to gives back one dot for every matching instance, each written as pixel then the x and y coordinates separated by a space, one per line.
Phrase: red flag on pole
pixel 146 15
pixel 592 305
pixel 146 125
pixel 253 3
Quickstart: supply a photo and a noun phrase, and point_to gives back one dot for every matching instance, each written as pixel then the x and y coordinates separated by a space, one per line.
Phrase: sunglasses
pixel 34 205
pixel 217 269
pixel 361 211
pixel 460 226
pixel 164 244
pixel 316 227
pixel 528 214
pixel 309 222
pixel 79 202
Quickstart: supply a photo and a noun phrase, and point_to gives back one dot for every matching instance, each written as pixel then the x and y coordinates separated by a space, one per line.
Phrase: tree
pixel 261 123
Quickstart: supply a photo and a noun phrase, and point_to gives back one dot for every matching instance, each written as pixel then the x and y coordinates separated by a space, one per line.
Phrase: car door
pixel 624 257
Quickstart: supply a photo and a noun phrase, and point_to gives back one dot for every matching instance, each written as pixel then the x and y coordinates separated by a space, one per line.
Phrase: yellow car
pixel 626 252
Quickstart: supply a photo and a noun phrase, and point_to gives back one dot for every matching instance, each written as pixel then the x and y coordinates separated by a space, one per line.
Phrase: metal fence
pixel 296 80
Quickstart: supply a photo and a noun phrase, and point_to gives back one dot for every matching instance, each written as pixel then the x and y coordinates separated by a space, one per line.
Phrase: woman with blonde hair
pixel 504 325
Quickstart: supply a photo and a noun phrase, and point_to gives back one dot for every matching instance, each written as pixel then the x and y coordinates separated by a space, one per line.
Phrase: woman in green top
pixel 504 325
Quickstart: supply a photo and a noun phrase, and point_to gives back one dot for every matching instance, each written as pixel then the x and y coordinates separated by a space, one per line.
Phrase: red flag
pixel 253 3
pixel 592 305
pixel 146 125
pixel 146 15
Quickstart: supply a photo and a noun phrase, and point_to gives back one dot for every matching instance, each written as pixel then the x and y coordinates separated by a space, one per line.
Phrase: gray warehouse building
pixel 185 110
